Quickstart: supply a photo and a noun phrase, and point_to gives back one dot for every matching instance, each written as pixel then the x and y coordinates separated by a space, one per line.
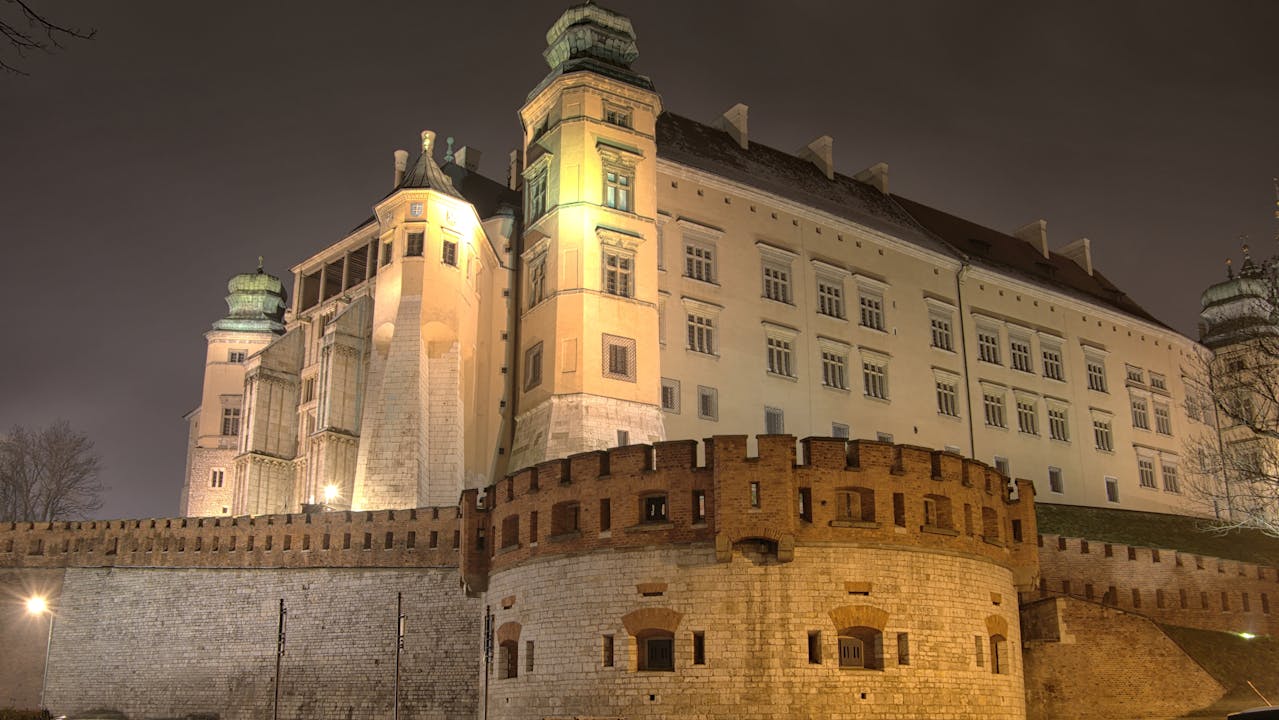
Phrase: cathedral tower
pixel 588 363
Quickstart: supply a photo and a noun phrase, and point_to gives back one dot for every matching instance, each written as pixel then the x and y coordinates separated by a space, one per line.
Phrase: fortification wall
pixel 1086 661
pixel 1164 584
pixel 170 642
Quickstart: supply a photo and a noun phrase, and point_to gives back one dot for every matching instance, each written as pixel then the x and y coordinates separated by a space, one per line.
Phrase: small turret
pixel 255 303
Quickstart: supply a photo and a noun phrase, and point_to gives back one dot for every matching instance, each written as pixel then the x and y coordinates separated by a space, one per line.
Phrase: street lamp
pixel 330 494
pixel 38 606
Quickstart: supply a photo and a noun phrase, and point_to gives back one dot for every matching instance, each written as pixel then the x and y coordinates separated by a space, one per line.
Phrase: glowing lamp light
pixel 37 605
pixel 330 493
pixel 1246 635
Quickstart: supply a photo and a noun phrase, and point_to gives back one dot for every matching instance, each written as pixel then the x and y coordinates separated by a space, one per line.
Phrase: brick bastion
pixel 869 580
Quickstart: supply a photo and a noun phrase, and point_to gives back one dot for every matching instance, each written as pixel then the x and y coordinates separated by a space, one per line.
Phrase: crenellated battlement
pixel 422 537
pixel 856 492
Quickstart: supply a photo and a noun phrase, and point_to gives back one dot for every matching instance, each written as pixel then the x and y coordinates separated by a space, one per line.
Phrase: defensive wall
pixel 869 581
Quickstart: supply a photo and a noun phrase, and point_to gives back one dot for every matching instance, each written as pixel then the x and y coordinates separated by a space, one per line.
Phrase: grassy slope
pixel 1233 661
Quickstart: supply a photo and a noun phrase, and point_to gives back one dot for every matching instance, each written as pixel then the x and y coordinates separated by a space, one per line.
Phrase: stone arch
pixel 847 616
pixel 508 631
pixel 654 618
pixel 996 625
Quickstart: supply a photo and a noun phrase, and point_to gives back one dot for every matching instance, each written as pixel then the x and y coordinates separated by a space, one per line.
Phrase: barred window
pixel 776 282
pixel 699 262
pixel 834 370
pixel 670 395
pixel 416 242
pixel 1019 352
pixel 988 345
pixel 701 334
pixel 1140 414
pixel 830 297
pixel 875 379
pixel 1096 374
pixel 1134 374
pixel 1158 382
pixel 1112 490
pixel 1053 369
pixel 707 403
pixel 1058 425
pixel 1102 435
pixel 619 273
pixel 1146 472
pixel 1163 419
pixel 993 405
pixel 619 358
pixel 1027 416
pixel 942 333
pixel 779 357
pixel 1171 483
pixel 872 309
pixel 947 398
pixel 1055 482
pixel 774 421
pixel 448 252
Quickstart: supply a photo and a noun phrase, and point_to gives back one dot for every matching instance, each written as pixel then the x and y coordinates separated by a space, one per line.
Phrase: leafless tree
pixel 26 31
pixel 48 474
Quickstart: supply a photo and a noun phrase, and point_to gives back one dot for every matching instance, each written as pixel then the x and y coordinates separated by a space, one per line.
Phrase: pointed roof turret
pixel 425 174
pixel 255 303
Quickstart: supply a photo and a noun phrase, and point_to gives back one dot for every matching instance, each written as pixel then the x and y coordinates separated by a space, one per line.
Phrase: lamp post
pixel 37 606
pixel 399 649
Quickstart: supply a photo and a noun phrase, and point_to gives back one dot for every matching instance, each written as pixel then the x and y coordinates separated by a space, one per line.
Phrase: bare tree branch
pixel 24 30
pixel 47 475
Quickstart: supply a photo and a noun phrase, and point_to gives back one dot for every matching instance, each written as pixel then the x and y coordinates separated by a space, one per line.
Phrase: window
pixel 860 647
pixel 993 405
pixel 415 209
pixel 231 421
pixel 699 648
pixel 988 345
pixel 619 358
pixel 606 515
pixel 537 196
pixel 1146 472
pixel 1019 354
pixel 701 334
pixel 1163 419
pixel 834 370
pixel 1112 490
pixel 947 397
pixel 236 356
pixel 699 262
pixel 1135 374
pixel 608 650
pixel 617 116
pixel 1051 355
pixel 448 252
pixel 1102 435
pixel 830 297
pixel 776 282
pixel 815 647
pixel 388 251
pixel 537 279
pixel 1140 413
pixel 774 421
pixel 528 655
pixel 903 648
pixel 875 378
pixel 1001 465
pixel 707 403
pixel 779 356
pixel 1058 424
pixel 699 506
pixel 654 508
pixel 839 430
pixel 1171 482
pixel 1158 382
pixel 617 190
pixel 1055 482
pixel 872 308
pixel 508 659
pixel 533 367
pixel 1027 416
pixel 999 655
pixel 656 651
pixel 754 490
pixel 884 437
pixel 623 438
pixel 1096 373
pixel 619 273
pixel 416 242
pixel 670 395
pixel 943 336
pixel 566 518
pixel 218 476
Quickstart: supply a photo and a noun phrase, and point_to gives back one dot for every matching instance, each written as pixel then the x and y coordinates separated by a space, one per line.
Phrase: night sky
pixel 140 170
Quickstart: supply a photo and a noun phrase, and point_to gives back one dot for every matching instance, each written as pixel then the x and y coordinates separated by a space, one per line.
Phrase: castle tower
pixel 587 362
pixel 255 314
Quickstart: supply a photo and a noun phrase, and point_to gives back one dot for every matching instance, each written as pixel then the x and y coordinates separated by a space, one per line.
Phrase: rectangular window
pixel 236 356
pixel 1027 416
pixel 699 648
pixel 1019 354
pixel 884 437
pixel 537 197
pixel 830 297
pixel 1112 490
pixel 617 190
pixel 218 477
pixel 606 515
pixel 993 405
pixel 755 499
pixel 623 438
pixel 1058 424
pixel 707 403
pixel 774 421
pixel 617 116
pixel 1134 374
pixel 943 336
pixel 872 309
pixel 619 358
pixel 448 252
pixel 1171 482
pixel 619 273
pixel 1053 368
pixel 779 357
pixel 533 367
pixel 815 647
pixel 1140 414
pixel 947 397
pixel 1096 374
pixel 903 648
pixel 528 655
pixel 699 262
pixel 701 334
pixel 875 379
pixel 699 506
pixel 387 253
pixel 1102 435
pixel 1158 382
pixel 416 242
pixel 1163 419
pixel 834 370
pixel 806 504
pixel 776 282
pixel 654 507
pixel 839 430
pixel 608 650
pixel 1146 472
pixel 231 421
pixel 670 395
pixel 1055 482
pixel 537 279
pixel 988 345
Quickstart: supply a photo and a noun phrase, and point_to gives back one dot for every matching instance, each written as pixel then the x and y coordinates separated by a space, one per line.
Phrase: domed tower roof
pixel 593 38
pixel 255 303
pixel 1241 306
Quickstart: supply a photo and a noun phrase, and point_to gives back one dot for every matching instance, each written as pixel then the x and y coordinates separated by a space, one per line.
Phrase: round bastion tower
pixel 871 581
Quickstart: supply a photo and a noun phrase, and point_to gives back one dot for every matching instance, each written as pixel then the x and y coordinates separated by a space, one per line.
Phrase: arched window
pixel 508 659
pixel 655 650
pixel 999 655
pixel 861 647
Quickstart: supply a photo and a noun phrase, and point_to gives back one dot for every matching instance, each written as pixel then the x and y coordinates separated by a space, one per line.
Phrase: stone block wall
pixel 23 637
pixel 1164 584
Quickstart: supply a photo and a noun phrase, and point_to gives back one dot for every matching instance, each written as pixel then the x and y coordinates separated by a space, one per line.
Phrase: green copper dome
pixel 256 303
pixel 591 38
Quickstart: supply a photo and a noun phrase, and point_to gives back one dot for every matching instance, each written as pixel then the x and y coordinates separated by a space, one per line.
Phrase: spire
pixel 425 174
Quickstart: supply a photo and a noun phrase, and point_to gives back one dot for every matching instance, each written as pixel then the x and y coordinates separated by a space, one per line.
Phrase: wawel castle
pixel 639 275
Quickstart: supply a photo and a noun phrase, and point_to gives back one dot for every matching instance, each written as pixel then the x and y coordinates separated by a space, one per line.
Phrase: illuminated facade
pixel 640 276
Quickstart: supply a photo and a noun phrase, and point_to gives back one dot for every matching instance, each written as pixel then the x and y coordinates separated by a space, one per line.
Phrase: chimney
pixel 876 175
pixel 821 152
pixel 1081 252
pixel 1035 233
pixel 733 122
pixel 401 162
pixel 467 157
pixel 513 171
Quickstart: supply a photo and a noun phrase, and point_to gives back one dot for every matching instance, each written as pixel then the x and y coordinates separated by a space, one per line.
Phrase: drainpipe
pixel 963 354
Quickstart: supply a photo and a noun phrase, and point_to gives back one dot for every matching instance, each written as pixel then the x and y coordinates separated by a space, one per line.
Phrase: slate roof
pixel 700 146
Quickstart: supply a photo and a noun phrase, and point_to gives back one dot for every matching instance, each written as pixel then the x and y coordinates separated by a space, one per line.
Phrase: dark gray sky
pixel 140 170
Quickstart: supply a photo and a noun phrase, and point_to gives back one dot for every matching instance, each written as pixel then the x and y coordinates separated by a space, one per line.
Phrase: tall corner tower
pixel 588 374
pixel 255 317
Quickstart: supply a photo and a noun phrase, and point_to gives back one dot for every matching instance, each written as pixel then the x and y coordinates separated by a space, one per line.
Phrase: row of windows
pixel 415 245
pixel 1111 597
pixel 179 544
